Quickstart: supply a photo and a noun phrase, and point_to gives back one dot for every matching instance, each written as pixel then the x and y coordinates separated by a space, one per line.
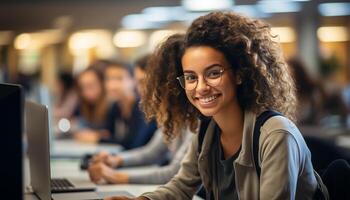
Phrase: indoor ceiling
pixel 32 15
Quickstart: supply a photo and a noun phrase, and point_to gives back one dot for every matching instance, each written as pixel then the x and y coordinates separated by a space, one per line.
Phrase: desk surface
pixel 69 168
pixel 74 149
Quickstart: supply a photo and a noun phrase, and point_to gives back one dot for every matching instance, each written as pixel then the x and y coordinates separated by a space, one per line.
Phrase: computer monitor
pixel 11 126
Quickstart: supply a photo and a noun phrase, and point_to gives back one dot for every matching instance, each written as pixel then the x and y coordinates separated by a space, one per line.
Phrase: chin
pixel 207 112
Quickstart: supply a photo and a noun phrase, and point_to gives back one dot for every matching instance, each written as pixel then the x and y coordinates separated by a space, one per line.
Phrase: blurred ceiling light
pixel 138 21
pixel 6 37
pixel 158 13
pixel 334 9
pixel 333 34
pixel 126 39
pixel 38 40
pixel 84 40
pixel 250 11
pixel 159 36
pixel 158 17
pixel 200 5
pixel 278 6
pixel 284 34
pixel 23 41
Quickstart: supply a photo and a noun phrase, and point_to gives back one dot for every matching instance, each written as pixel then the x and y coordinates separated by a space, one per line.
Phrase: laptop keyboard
pixel 61 184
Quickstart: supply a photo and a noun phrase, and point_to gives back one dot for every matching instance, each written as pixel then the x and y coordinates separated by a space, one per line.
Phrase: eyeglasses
pixel 212 77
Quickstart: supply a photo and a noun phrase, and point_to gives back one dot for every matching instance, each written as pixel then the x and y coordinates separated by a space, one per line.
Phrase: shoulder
pixel 280 124
pixel 281 130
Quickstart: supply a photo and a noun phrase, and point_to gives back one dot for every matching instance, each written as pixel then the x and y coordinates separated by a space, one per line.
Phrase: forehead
pixel 116 71
pixel 88 76
pixel 200 57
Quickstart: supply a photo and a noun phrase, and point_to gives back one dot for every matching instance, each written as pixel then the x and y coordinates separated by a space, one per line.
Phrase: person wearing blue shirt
pixel 125 121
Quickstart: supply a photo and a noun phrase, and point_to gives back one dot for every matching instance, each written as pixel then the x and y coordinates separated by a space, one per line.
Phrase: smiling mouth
pixel 208 99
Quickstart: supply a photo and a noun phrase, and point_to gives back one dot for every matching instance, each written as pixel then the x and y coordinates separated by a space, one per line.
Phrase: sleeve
pixel 186 181
pixel 280 161
pixel 154 150
pixel 144 131
pixel 139 132
pixel 112 115
pixel 163 174
pixel 159 175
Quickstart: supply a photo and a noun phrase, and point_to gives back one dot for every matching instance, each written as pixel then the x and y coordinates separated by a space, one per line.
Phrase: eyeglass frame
pixel 204 78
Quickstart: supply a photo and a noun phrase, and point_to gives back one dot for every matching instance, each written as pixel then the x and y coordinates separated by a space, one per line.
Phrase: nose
pixel 202 86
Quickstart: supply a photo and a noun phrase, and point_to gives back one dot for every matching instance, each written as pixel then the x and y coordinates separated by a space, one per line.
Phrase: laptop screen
pixel 36 118
pixel 11 126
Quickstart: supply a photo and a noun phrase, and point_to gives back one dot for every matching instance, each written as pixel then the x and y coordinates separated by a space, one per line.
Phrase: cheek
pixel 230 89
pixel 189 97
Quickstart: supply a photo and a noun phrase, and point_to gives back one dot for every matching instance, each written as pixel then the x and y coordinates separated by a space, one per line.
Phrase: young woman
pixel 230 70
pixel 91 112
pixel 66 98
pixel 156 151
pixel 125 122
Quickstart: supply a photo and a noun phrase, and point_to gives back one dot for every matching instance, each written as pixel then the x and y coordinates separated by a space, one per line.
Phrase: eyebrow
pixel 208 67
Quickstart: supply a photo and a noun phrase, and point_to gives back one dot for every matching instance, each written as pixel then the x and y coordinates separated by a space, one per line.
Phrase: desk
pixel 70 168
pixel 73 149
pixel 337 136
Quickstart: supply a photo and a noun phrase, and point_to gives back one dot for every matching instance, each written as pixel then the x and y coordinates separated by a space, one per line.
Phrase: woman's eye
pixel 214 74
pixel 190 78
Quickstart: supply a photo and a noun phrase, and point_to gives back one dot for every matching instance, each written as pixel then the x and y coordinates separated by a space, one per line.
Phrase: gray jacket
pixel 156 150
pixel 285 160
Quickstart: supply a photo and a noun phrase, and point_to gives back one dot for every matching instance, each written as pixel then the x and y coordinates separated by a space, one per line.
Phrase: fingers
pixel 100 157
pixel 113 161
pixel 95 172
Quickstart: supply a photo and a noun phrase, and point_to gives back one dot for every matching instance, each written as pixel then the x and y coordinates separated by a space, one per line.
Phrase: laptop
pixel 37 129
pixel 11 117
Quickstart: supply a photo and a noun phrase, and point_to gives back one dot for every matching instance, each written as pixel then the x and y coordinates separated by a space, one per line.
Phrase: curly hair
pixel 248 46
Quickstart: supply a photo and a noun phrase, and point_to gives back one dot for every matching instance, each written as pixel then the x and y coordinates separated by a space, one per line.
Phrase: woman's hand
pixel 107 158
pixel 100 157
pixel 100 171
pixel 95 171
pixel 114 161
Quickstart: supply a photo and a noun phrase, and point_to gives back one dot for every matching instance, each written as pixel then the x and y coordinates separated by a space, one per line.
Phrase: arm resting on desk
pixel 152 152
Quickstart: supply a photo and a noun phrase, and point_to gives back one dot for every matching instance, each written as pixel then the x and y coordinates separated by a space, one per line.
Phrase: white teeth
pixel 208 99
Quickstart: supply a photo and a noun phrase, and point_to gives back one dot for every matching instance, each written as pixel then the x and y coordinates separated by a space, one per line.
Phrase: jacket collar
pixel 245 157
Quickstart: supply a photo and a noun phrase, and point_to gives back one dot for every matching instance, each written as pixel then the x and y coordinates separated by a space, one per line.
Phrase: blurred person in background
pixel 156 151
pixel 334 113
pixel 316 106
pixel 66 98
pixel 310 96
pixel 125 121
pixel 92 110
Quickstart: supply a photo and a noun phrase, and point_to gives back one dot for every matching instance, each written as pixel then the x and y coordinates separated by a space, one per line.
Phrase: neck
pixel 231 120
pixel 126 105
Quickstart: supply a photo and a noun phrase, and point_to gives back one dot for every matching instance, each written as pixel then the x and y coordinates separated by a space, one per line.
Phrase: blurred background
pixel 41 39
pixel 85 60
